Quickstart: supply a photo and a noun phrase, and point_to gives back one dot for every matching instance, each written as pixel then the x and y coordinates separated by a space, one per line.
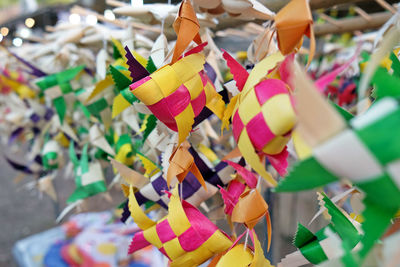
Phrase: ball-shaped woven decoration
pixel 266 115
pixel 177 93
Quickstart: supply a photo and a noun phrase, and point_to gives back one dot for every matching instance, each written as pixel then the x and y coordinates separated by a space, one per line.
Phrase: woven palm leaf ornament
pixel 185 235
pixel 243 181
pixel 241 193
pixel 150 117
pixel 336 239
pixel 356 150
pixel 292 22
pixel 89 177
pixel 51 155
pixel 60 88
pixel 122 79
pixel 153 189
pixel 241 255
pixel 262 113
pixel 177 92
pixel 250 217
pixel 181 163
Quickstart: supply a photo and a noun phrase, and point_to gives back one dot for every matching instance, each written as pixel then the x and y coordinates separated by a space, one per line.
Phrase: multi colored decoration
pixel 292 22
pixel 185 236
pixel 355 153
pixel 256 123
pixel 134 117
pixel 332 241
pixel 178 92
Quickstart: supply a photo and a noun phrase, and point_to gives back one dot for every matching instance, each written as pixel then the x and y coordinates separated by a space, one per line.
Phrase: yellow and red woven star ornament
pixel 177 93
pixel 185 235
pixel 262 113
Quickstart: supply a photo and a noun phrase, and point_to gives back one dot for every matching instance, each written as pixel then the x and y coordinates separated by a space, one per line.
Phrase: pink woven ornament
pixel 262 113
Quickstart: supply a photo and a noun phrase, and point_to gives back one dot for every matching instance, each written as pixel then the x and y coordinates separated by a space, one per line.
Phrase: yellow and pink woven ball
pixel 263 114
pixel 266 115
pixel 177 93
pixel 185 236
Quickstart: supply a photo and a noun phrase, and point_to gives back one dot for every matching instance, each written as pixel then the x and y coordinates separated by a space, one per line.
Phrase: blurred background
pixel 25 212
